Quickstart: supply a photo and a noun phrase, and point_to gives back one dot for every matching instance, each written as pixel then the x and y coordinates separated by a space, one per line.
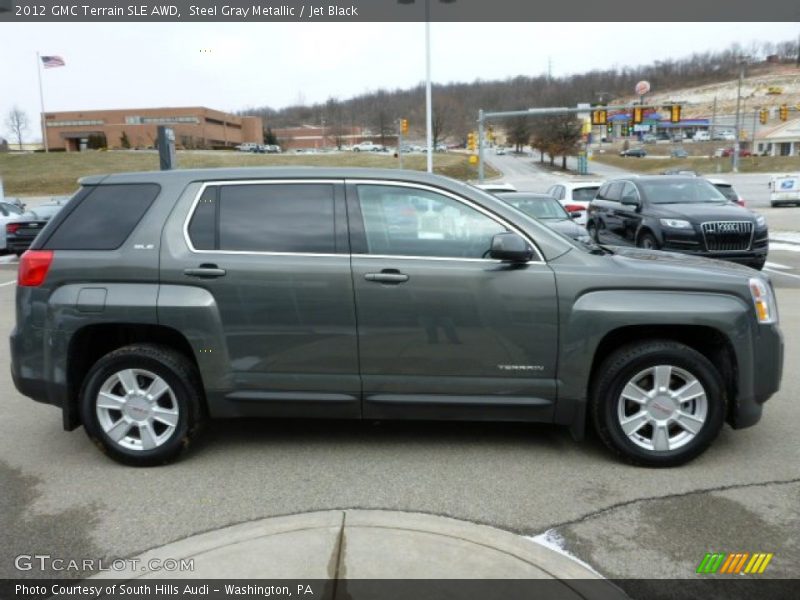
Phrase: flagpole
pixel 41 99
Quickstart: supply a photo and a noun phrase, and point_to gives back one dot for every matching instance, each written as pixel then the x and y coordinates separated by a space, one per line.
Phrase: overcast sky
pixel 235 66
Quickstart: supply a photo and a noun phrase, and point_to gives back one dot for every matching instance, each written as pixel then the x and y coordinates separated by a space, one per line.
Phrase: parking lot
pixel 63 498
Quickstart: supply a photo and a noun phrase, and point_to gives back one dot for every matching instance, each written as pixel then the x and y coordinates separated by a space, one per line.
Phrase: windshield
pixel 687 191
pixel 585 193
pixel 540 208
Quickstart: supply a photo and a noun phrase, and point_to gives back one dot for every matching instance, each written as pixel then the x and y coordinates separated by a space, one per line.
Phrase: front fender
pixel 597 314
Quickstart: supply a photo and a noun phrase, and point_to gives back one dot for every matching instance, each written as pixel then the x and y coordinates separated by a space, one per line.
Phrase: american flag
pixel 51 62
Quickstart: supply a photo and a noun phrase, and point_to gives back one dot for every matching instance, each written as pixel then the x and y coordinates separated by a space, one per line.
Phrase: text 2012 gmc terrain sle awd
pixel 153 301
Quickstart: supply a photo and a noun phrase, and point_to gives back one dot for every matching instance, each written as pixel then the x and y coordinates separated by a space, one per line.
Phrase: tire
pixel 142 439
pixel 648 241
pixel 642 362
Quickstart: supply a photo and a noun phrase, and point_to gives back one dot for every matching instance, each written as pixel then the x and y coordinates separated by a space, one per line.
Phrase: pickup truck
pixel 367 147
pixel 154 301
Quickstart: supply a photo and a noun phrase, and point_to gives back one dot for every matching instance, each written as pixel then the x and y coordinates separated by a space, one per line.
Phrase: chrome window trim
pixel 389 182
pixel 208 184
pixel 457 198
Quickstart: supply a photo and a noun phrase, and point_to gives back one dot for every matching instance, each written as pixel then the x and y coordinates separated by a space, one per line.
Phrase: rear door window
pixel 291 217
pixel 103 217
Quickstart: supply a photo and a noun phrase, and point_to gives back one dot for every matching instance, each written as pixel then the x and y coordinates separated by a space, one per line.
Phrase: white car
pixel 8 212
pixel 575 196
pixel 367 147
pixel 494 188
pixel 500 151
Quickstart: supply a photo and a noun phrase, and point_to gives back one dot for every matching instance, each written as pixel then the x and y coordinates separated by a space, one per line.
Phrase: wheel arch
pixel 93 341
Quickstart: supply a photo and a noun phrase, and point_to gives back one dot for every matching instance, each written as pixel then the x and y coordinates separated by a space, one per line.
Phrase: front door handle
pixel 387 276
pixel 205 272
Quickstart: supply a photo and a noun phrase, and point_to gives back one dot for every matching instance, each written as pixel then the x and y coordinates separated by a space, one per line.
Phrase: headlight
pixel 763 301
pixel 761 221
pixel 676 223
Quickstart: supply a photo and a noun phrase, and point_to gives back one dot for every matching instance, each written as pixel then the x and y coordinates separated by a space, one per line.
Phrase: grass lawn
pixel 58 172
pixel 750 164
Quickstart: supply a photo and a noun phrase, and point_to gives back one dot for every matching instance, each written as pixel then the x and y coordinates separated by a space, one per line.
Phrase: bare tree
pixel 17 123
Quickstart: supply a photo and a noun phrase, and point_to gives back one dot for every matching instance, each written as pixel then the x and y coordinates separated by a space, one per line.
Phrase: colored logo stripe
pixel 732 564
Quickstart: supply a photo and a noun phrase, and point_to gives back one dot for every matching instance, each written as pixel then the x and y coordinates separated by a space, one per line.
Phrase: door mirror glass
pixel 510 246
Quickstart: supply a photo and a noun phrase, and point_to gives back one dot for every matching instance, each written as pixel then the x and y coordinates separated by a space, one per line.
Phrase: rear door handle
pixel 205 272
pixel 387 276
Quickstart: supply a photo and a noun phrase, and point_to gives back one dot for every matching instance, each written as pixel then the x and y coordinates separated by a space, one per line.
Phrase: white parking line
pixel 782 273
pixel 5 283
pixel 772 265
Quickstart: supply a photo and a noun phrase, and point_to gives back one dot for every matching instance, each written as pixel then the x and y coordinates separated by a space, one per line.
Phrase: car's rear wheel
pixel 142 404
pixel 658 403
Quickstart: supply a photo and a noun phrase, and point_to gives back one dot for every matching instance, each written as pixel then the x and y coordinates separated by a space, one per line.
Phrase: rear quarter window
pixel 102 218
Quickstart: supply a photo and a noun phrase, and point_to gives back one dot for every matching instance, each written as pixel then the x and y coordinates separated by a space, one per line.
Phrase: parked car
pixel 726 189
pixel 575 196
pixel 701 136
pixel 686 172
pixel 729 152
pixel 637 152
pixel 680 214
pixel 367 147
pixel 247 147
pixel 548 210
pixel 649 138
pixel 678 153
pixel 727 136
pixel 495 187
pixel 9 212
pixel 500 151
pixel 154 301
pixel 21 232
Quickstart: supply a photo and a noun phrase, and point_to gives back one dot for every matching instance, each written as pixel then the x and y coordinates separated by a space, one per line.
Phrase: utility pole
pixel 714 119
pixel 736 145
pixel 753 140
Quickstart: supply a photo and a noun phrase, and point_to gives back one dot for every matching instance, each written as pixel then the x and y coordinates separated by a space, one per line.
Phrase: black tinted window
pixel 104 217
pixel 277 218
pixel 584 194
pixel 202 227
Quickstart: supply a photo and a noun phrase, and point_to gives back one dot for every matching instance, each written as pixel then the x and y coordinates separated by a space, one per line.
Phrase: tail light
pixel 12 227
pixel 575 208
pixel 33 267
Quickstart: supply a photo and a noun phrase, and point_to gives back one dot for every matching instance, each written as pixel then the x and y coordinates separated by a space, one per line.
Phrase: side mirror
pixel 574 215
pixel 511 247
pixel 630 201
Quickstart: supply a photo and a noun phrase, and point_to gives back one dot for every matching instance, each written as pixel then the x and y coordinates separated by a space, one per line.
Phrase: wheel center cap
pixel 137 408
pixel 662 407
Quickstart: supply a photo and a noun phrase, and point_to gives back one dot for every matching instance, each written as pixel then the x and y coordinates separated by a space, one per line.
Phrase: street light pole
pixel 735 166
pixel 428 102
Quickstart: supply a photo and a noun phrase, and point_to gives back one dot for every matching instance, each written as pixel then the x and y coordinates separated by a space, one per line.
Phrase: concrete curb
pixel 367 544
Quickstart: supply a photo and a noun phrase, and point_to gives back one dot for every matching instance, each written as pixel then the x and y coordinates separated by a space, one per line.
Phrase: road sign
pixel 642 88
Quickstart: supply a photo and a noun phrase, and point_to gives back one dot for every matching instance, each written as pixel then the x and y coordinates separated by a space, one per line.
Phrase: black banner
pixel 708 588
pixel 397 10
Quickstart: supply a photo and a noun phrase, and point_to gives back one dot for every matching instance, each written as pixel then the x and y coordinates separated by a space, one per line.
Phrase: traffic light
pixel 490 133
pixel 404 126
pixel 675 113
pixel 599 117
pixel 763 116
pixel 610 128
pixel 638 114
pixel 783 112
pixel 471 141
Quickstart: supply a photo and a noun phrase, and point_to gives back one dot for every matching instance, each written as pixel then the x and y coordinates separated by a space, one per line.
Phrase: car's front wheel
pixel 658 403
pixel 142 404
pixel 647 241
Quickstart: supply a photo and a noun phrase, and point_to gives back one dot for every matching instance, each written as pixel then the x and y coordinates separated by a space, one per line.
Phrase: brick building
pixel 195 127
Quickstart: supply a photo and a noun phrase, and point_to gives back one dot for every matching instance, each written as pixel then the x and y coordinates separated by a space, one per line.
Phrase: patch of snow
pixel 552 540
